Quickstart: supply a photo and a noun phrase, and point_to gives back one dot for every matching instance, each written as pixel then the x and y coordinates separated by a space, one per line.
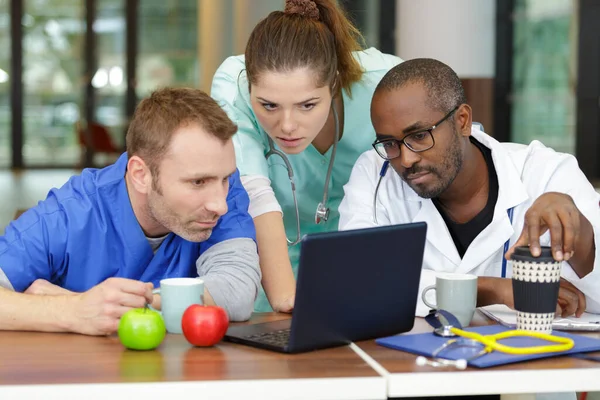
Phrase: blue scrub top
pixel 230 89
pixel 86 232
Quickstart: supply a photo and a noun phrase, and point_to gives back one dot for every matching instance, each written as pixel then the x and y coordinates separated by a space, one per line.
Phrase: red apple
pixel 204 325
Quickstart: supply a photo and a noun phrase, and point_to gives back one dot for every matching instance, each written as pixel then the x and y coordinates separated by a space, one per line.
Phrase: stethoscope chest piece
pixel 444 331
pixel 322 213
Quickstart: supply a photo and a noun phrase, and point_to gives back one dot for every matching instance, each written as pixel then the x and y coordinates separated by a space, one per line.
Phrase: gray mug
pixel 176 295
pixel 456 293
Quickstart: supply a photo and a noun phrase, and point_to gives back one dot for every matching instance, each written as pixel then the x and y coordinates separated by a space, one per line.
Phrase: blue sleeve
pixel 237 223
pixel 33 246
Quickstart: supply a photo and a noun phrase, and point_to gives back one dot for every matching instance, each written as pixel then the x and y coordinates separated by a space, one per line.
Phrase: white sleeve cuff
pixel 262 197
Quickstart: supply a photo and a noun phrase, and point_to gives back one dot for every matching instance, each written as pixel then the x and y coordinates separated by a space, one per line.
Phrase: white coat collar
pixel 511 193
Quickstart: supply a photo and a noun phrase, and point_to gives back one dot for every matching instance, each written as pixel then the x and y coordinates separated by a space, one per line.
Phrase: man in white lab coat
pixel 480 198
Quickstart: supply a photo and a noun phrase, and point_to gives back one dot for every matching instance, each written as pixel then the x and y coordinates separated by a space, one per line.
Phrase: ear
pixel 140 175
pixel 464 119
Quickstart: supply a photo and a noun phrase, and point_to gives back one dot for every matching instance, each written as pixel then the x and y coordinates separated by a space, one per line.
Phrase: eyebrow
pixel 381 136
pixel 416 126
pixel 206 176
pixel 299 103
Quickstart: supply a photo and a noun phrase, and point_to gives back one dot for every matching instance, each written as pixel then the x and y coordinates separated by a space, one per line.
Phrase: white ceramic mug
pixel 176 295
pixel 455 293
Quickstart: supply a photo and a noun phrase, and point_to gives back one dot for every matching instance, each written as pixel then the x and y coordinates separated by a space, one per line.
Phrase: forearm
pixel 25 312
pixel 585 249
pixel 277 275
pixel 489 290
pixel 231 276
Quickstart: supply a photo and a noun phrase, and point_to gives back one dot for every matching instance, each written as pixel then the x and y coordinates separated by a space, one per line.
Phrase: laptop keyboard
pixel 276 338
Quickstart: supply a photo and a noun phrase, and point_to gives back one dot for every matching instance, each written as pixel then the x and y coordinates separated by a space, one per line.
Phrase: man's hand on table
pixel 570 300
pixel 42 287
pixel 98 311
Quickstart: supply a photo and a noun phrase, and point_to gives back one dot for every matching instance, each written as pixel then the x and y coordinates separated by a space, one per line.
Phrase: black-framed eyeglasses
pixel 418 141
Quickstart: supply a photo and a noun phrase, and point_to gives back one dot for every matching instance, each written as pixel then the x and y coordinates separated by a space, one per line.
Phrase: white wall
pixel 460 33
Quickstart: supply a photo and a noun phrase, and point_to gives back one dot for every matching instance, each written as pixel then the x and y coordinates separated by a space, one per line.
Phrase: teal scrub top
pixel 230 90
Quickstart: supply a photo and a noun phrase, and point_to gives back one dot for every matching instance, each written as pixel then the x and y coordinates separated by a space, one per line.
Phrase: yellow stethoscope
pixel 443 323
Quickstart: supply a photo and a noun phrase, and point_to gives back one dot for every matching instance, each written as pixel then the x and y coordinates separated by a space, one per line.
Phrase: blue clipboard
pixel 425 344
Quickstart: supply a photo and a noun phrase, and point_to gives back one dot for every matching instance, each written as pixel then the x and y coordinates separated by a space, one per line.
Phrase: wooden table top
pixel 33 358
pixel 65 366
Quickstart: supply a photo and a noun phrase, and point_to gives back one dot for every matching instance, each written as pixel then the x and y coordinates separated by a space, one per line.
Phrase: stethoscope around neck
pixel 510 211
pixel 322 211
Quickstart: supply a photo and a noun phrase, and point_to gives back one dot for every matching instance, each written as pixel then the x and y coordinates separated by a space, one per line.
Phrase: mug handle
pixel 155 291
pixel 423 297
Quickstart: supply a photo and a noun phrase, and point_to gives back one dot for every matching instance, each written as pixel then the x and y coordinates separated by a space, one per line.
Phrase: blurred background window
pixel 80 84
pixel 109 80
pixel 168 45
pixel 53 33
pixel 5 110
pixel 545 73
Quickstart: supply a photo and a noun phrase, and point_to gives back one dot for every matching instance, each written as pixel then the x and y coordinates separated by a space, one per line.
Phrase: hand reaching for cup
pixel 557 213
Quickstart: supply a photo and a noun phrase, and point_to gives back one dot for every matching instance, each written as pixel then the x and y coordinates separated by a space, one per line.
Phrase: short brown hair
pixel 309 33
pixel 157 118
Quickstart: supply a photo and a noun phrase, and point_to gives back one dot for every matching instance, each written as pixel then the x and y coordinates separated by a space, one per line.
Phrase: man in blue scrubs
pixel 172 206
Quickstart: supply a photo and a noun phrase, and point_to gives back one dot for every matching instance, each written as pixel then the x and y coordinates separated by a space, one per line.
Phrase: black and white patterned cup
pixel 535 282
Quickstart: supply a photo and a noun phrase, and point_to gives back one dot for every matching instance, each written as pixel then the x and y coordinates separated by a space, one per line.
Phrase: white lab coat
pixel 524 173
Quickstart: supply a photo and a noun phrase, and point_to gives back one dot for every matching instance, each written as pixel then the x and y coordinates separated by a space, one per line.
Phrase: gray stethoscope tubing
pixel 460 363
pixel 322 212
pixel 274 152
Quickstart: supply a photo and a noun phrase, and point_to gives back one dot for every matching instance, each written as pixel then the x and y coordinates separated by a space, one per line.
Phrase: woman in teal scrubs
pixel 301 98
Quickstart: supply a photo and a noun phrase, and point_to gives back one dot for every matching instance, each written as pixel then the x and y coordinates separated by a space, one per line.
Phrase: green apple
pixel 141 329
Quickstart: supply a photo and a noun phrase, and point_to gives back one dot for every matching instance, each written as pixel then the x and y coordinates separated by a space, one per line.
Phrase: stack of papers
pixel 508 317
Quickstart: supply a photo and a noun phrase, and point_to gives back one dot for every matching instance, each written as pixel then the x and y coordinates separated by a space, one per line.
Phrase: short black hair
pixel 442 84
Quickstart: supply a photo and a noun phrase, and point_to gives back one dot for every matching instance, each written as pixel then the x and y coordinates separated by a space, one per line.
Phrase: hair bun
pixel 305 8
